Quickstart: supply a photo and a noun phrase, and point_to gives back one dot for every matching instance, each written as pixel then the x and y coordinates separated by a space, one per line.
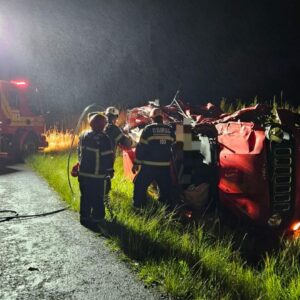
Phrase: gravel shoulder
pixel 54 257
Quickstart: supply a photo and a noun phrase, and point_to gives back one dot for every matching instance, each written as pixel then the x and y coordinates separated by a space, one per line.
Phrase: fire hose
pixel 15 215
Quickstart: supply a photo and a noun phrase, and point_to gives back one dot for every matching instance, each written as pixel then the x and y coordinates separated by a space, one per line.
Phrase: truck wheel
pixel 30 146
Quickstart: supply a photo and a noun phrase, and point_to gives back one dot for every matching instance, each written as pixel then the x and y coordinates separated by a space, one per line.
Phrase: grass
pixel 230 106
pixel 184 260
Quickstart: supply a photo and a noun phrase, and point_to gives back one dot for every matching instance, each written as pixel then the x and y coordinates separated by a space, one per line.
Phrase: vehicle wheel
pixel 30 146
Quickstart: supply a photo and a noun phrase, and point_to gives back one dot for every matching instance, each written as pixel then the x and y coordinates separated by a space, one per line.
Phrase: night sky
pixel 126 52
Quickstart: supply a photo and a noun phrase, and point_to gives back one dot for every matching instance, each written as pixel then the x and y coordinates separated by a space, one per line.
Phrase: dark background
pixel 126 52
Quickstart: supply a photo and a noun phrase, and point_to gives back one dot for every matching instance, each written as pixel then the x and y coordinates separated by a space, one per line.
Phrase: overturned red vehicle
pixel 249 159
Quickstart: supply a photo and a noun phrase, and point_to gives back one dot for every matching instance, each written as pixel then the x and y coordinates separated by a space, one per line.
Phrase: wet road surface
pixel 54 257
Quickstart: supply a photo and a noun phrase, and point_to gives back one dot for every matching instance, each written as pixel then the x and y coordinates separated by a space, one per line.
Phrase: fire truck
pixel 21 121
pixel 249 159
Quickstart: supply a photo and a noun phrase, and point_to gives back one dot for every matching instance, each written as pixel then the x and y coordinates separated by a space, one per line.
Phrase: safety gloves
pixel 75 170
pixel 135 168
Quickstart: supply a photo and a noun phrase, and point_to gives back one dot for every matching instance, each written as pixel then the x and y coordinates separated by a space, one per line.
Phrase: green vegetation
pixel 232 106
pixel 183 259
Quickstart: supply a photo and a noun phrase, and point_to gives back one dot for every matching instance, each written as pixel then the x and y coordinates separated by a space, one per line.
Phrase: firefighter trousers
pixel 148 174
pixel 93 191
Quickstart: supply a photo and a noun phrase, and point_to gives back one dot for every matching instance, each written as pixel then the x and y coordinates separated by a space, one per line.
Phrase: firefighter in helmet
pixel 116 135
pixel 95 156
pixel 153 160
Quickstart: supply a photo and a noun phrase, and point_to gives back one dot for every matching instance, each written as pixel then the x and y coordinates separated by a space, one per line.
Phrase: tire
pixel 30 146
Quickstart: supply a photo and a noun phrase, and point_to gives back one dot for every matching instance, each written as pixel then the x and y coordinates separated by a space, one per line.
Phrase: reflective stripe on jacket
pixel 95 155
pixel 155 145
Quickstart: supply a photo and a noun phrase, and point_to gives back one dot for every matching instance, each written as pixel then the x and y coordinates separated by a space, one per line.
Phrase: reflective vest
pixel 155 145
pixel 95 155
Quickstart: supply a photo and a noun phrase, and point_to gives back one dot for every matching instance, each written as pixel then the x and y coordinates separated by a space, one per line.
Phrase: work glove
pixel 75 170
pixel 111 174
pixel 135 168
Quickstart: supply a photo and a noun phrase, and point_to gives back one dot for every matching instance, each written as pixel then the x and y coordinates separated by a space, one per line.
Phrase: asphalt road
pixel 54 257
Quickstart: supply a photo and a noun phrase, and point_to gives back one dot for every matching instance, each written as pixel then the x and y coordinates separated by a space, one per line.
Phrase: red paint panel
pixel 243 183
pixel 296 133
pixel 128 158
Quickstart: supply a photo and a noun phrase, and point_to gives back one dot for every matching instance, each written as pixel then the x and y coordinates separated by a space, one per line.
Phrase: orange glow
pixel 296 226
pixel 295 235
pixel 188 214
pixel 121 121
pixel 59 140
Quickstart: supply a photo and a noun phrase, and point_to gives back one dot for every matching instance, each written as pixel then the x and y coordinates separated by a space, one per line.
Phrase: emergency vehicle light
pixel 19 83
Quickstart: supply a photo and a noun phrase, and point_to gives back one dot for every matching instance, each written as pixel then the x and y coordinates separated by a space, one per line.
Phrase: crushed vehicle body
pixel 21 122
pixel 248 161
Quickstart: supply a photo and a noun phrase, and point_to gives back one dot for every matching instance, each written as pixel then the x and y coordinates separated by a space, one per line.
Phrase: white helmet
pixel 111 110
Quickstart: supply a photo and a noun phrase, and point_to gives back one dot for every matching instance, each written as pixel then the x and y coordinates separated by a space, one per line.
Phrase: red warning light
pixel 20 83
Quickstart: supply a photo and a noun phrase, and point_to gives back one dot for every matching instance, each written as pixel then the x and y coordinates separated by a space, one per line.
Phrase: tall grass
pixel 229 106
pixel 186 261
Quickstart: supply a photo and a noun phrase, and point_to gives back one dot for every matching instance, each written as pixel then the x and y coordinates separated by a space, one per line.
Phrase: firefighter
pixel 153 160
pixel 115 133
pixel 95 156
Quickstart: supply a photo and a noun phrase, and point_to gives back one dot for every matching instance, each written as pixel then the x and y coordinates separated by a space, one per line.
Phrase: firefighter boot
pixel 101 227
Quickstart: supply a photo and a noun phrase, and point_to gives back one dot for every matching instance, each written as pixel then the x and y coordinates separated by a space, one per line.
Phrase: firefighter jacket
pixel 155 145
pixel 95 155
pixel 117 136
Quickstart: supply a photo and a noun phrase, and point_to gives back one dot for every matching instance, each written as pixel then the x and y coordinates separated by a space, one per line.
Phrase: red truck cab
pixel 21 120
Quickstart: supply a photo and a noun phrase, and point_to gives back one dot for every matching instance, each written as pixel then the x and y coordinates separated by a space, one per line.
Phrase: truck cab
pixel 21 120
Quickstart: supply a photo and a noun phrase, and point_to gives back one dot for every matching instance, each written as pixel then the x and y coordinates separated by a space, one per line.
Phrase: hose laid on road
pixel 15 215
